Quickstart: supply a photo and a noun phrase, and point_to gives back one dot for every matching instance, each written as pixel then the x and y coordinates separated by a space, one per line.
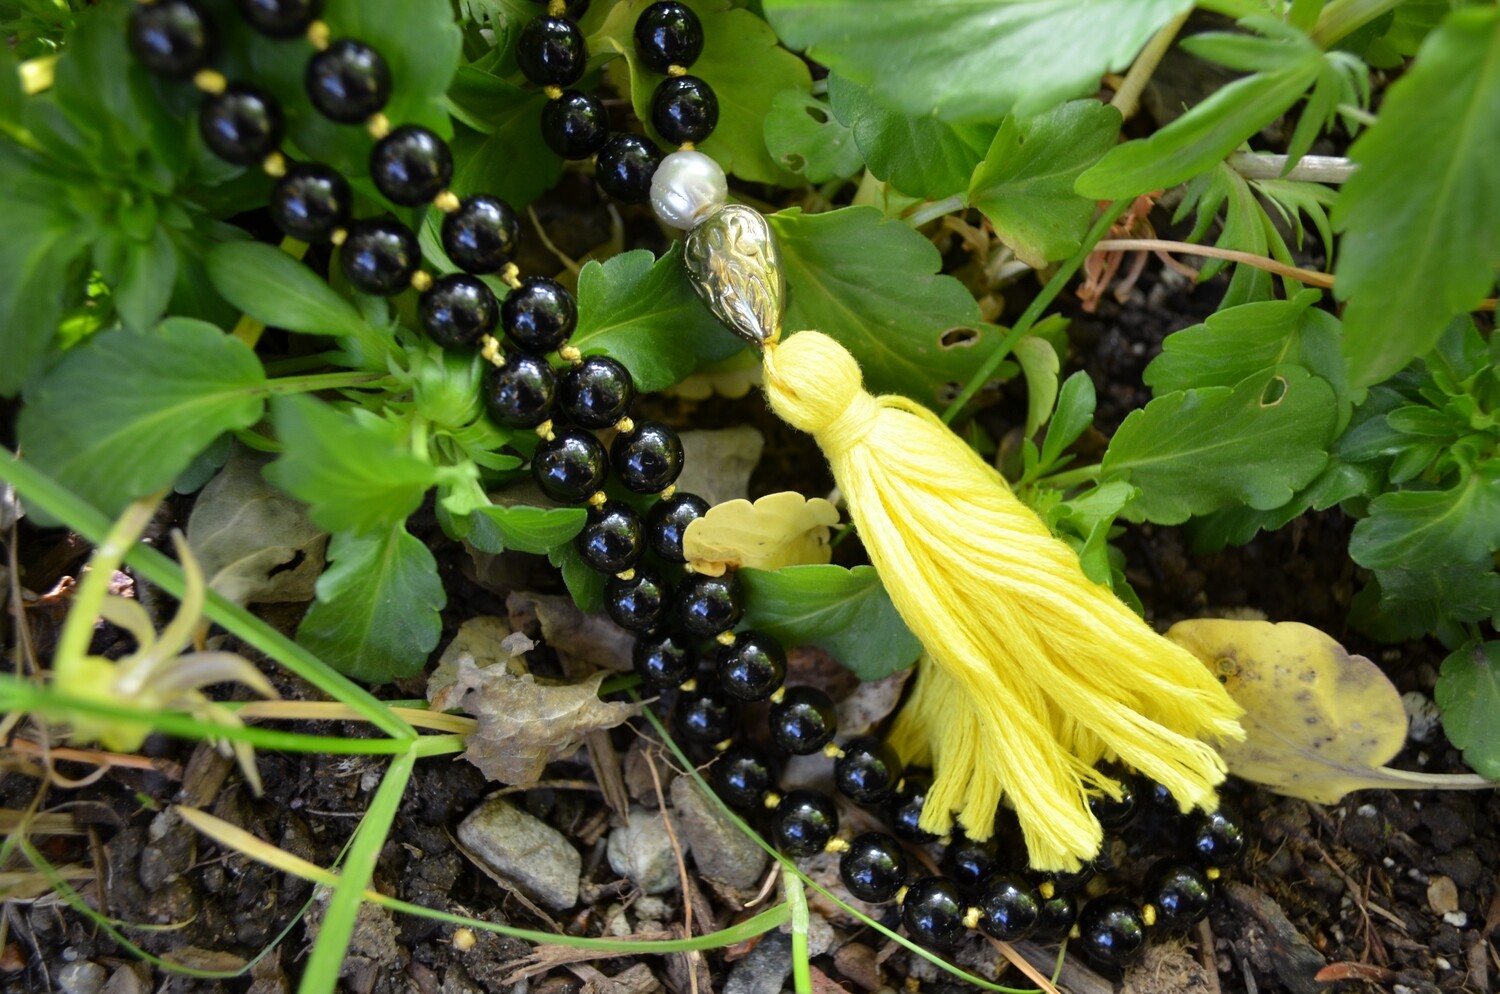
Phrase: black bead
pixel 520 393
pixel 597 392
pixel 458 310
pixel 684 109
pixel 640 603
pixel 1056 918
pixel 873 868
pixel 933 912
pixel 668 520
pixel 804 822
pixel 348 81
pixel 665 660
pixel 575 125
pixel 906 809
pixel 551 51
pixel 868 771
pixel 280 18
pixel 379 256
pixel 539 315
pixel 803 721
pixel 708 605
pixel 1070 881
pixel 571 468
pixel 1159 797
pixel 611 540
pixel 171 37
pixel 969 861
pixel 648 459
pixel 1009 908
pixel 1181 893
pixel 705 715
pixel 668 34
pixel 753 667
pixel 311 202
pixel 1111 931
pixel 742 776
pixel 1116 813
pixel 625 166
pixel 241 125
pixel 480 237
pixel 411 165
pixel 1216 839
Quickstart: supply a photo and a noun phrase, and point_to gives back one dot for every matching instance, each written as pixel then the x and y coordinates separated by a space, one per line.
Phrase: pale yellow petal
pixel 782 529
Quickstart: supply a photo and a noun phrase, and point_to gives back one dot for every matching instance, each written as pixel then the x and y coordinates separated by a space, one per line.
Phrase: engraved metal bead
pixel 733 263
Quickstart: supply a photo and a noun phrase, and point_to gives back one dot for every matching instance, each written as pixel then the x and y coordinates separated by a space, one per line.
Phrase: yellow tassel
pixel 1035 673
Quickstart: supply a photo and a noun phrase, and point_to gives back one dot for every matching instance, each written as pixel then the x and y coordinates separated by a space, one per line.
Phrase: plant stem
pixel 1073 477
pixel 1127 99
pixel 1343 17
pixel 1309 168
pixel 1309 276
pixel 796 899
pixel 78 627
pixel 321 381
pixel 934 209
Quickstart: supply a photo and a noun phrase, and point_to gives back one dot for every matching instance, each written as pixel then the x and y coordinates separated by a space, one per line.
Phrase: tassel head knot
pixel 814 385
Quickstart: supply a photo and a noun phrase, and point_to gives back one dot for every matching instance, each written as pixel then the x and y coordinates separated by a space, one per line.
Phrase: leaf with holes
pixel 804 137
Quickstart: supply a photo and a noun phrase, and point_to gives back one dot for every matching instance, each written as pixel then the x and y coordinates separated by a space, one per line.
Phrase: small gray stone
pixel 525 851
pixel 81 977
pixel 765 969
pixel 723 852
pixel 642 850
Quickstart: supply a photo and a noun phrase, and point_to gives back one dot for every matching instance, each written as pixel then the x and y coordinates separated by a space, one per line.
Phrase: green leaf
pixel 1246 228
pixel 743 64
pixel 972 60
pixel 585 584
pixel 123 414
pixel 146 285
pixel 920 155
pixel 376 616
pixel 348 466
pixel 842 611
pixel 519 528
pixel 804 137
pixel 1074 414
pixel 498 152
pixel 874 284
pixel 642 311
pixel 1025 184
pixel 1039 364
pixel 1420 210
pixel 1427 529
pixel 1400 604
pixel 1238 524
pixel 1084 523
pixel 280 291
pixel 1194 451
pixel 1468 693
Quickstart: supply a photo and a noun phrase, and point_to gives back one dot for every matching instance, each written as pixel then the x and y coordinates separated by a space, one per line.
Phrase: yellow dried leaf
pixel 784 529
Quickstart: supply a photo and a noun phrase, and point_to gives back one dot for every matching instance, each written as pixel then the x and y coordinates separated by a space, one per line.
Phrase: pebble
pixel 1442 895
pixel 81 977
pixel 525 851
pixel 641 849
pixel 1457 919
pixel 722 852
pixel 1422 716
pixel 764 969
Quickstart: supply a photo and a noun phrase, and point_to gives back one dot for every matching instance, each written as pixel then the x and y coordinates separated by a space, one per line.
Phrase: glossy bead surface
pixel 804 822
pixel 668 34
pixel 1180 892
pixel 684 109
pixel 539 315
pixel 348 81
pixel 481 236
pixel 597 392
pixel 280 18
pixel 969 861
pixel 873 867
pixel 571 467
pixel 705 715
pixel 1216 839
pixel 625 166
pixel 1111 931
pixel 687 187
pixel 1070 881
pixel 640 603
pixel 575 125
pixel 664 661
pixel 933 912
pixel 648 459
pixel 803 721
pixel 906 809
pixel 1114 813
pixel 171 37
pixel 868 771
pixel 742 776
pixel 551 51
pixel 458 310
pixel 521 393
pixel 379 256
pixel 311 202
pixel 242 125
pixel 611 539
pixel 753 667
pixel 411 165
pixel 667 521
pixel 1056 917
pixel 1009 908
pixel 708 605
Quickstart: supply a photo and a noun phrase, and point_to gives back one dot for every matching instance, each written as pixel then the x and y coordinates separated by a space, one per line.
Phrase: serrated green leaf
pixel 1236 525
pixel 1084 523
pixel 744 65
pixel 642 311
pixel 845 612
pixel 1400 604
pixel 1246 228
pixel 1074 414
pixel 1427 529
pixel 1419 212
pixel 1194 451
pixel 1468 693
pixel 520 528
pixel 352 470
pixel 874 284
pixel 1025 183
pixel 280 291
pixel 376 616
pixel 804 137
pixel 921 156
pixel 972 60
pixel 498 150
pixel 123 414
pixel 584 584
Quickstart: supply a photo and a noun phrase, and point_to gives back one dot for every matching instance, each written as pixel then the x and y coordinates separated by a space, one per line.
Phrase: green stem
pixel 1034 311
pixel 934 209
pixel 796 898
pixel 78 627
pixel 1343 17
pixel 1127 98
pixel 1233 8
pixel 322 381
pixel 1073 477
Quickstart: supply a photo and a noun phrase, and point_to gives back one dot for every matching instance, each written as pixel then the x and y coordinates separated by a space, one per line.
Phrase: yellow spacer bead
pixel 688 686
pixel 1213 873
pixel 832 751
pixel 971 918
pixel 210 81
pixel 318 34
pixel 836 844
pixel 676 70
pixel 274 165
pixel 686 147
pixel 778 695
pixel 338 236
pixel 628 574
pixel 1148 914
pixel 511 276
pixel 772 800
pixel 624 426
pixel 421 281
pixel 723 746
pixel 900 894
pixel 1046 889
pixel 544 431
pixel 447 202
pixel 553 92
pixel 725 638
pixel 557 8
pixel 378 125
pixel 598 499
pixel 667 493
pixel 489 349
pixel 570 353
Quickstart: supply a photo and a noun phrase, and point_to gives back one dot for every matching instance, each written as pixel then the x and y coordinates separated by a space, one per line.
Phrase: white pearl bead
pixel 686 188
